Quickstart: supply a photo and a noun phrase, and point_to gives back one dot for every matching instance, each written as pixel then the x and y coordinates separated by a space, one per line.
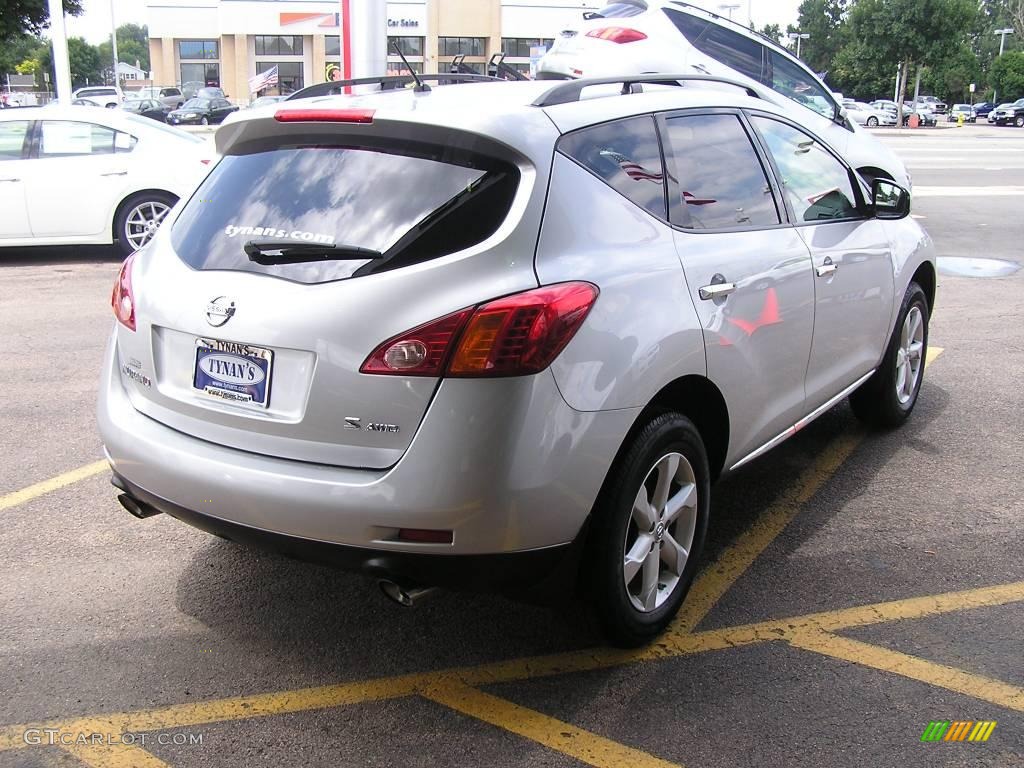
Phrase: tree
pixel 858 72
pixel 32 16
pixel 951 77
pixel 85 62
pixel 132 46
pixel 774 31
pixel 914 33
pixel 823 21
pixel 1007 76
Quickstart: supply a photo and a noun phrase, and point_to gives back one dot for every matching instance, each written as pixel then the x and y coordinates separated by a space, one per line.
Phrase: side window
pixel 721 180
pixel 67 138
pixel 12 139
pixel 817 185
pixel 723 45
pixel 627 156
pixel 793 83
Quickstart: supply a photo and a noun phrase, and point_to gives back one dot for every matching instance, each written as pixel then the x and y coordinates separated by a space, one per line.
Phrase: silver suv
pixel 504 336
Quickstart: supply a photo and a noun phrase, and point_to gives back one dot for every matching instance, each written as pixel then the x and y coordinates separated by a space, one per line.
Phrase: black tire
pixel 1019 121
pixel 204 121
pixel 121 219
pixel 872 122
pixel 622 623
pixel 875 402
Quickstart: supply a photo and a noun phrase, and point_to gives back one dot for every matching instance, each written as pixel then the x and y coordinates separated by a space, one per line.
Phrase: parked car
pixel 306 360
pixel 983 109
pixel 262 101
pixel 937 106
pixel 961 109
pixel 89 175
pixel 1008 114
pixel 101 96
pixel 150 108
pixel 169 96
pixel 201 111
pixel 864 114
pixel 642 36
pixel 884 105
pixel 190 88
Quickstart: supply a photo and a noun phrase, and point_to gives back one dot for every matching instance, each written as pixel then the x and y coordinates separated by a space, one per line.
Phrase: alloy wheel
pixel 143 221
pixel 910 355
pixel 659 535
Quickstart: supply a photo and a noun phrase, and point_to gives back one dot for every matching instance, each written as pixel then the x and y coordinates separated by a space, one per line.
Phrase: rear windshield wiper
pixel 283 251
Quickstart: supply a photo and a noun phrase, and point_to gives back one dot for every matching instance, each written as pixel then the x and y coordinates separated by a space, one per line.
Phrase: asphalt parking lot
pixel 857 585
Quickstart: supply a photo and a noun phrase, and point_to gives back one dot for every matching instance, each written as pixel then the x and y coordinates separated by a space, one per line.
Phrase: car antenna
pixel 421 87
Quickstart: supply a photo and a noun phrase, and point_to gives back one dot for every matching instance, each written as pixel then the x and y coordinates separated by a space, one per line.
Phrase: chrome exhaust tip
pixel 137 508
pixel 404 595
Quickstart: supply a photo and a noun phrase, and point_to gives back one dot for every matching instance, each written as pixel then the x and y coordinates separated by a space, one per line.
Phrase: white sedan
pixel 865 114
pixel 73 175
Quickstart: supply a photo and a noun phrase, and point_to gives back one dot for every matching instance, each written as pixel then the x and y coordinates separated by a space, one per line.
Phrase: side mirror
pixel 889 200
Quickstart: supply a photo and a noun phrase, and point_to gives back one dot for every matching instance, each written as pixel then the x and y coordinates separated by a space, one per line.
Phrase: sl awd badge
pixel 219 311
pixel 351 422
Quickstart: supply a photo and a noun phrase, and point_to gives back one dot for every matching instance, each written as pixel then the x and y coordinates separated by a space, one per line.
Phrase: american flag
pixel 263 80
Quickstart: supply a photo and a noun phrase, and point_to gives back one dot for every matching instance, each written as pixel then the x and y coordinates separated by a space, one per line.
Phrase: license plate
pixel 235 373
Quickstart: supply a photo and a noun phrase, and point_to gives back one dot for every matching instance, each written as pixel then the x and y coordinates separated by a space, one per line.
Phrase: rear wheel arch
pixel 698 399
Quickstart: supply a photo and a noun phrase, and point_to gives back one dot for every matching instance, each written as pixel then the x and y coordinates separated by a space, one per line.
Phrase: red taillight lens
pixel 324 116
pixel 122 299
pixel 617 34
pixel 512 336
pixel 423 351
pixel 522 333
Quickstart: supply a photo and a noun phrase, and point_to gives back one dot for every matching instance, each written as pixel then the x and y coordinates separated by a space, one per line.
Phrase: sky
pixel 94 24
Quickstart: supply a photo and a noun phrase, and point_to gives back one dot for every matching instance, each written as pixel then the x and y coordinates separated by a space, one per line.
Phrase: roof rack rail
pixel 386 83
pixel 570 91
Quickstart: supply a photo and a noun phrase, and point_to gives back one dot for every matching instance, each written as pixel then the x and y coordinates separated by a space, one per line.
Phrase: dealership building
pixel 227 42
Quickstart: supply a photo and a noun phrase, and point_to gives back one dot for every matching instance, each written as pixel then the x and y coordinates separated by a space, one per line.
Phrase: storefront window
pixel 519 47
pixel 410 46
pixel 453 46
pixel 289 76
pixel 332 45
pixel 198 49
pixel 200 75
pixel 278 45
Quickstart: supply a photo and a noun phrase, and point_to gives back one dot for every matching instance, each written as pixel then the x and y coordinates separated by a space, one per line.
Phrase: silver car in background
pixel 504 336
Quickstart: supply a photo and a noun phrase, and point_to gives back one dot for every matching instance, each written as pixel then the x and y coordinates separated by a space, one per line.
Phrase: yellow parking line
pixel 939 675
pixel 555 734
pixel 285 702
pixel 714 581
pixel 115 756
pixel 54 483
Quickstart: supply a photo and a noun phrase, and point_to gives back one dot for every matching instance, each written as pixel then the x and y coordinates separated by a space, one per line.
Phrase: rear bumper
pixel 505 464
pixel 544 574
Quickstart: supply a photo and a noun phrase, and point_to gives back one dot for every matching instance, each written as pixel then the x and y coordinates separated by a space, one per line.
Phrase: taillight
pixel 324 115
pixel 617 34
pixel 423 351
pixel 122 299
pixel 511 336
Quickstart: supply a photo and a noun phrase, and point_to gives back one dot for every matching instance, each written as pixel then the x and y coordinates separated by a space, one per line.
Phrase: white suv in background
pixel 647 36
pixel 108 96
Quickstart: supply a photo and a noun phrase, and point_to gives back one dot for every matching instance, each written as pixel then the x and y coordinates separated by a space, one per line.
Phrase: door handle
pixel 1 180
pixel 827 267
pixel 716 290
pixel 115 173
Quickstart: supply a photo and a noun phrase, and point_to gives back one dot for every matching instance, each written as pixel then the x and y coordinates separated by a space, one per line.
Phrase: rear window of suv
pixel 410 205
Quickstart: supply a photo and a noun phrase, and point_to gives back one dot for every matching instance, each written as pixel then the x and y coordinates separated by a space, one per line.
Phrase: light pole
pixel 61 67
pixel 798 36
pixel 729 8
pixel 1002 43
pixel 113 39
